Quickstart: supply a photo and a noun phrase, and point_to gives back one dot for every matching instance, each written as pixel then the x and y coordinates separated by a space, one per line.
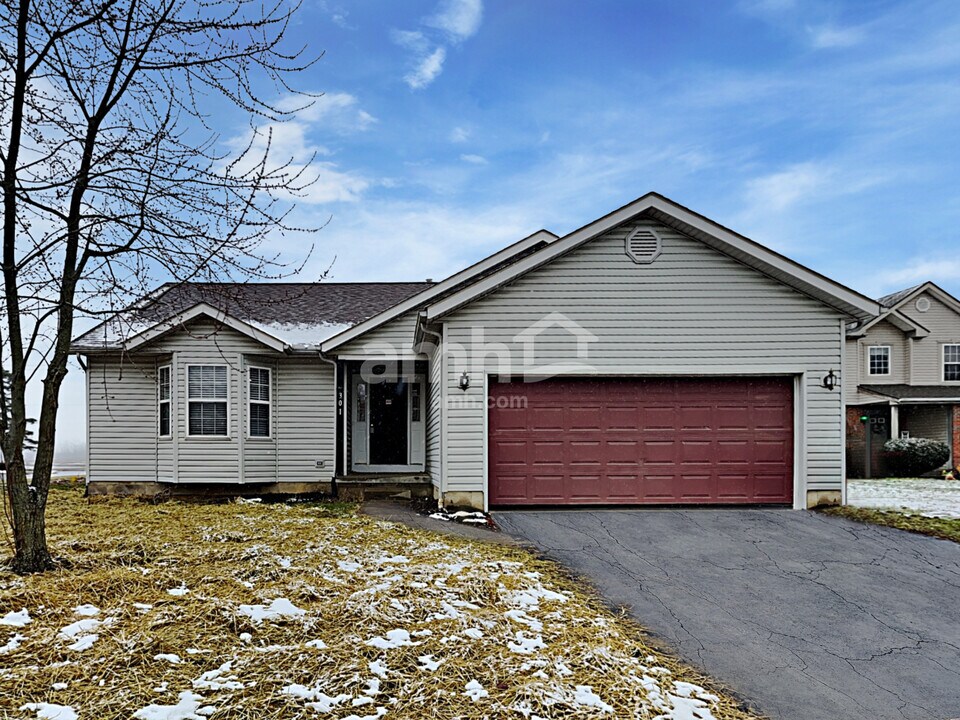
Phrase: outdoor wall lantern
pixel 464 381
pixel 830 381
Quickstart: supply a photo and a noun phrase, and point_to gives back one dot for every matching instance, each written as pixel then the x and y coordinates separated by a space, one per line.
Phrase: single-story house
pixel 651 356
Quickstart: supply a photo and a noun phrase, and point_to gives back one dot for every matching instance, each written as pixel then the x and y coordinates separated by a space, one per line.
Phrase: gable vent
pixel 643 245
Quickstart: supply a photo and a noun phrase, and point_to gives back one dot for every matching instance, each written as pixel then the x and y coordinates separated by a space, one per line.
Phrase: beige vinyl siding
pixel 693 310
pixel 944 326
pixel 435 420
pixel 122 403
pixel 858 361
pixel 392 339
pixel 305 419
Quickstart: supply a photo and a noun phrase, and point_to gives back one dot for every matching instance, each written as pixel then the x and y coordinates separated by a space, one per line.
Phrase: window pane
pixel 259 420
pixel 208 418
pixel 164 382
pixel 207 381
pixel 164 418
pixel 879 361
pixel 260 384
pixel 951 372
pixel 951 353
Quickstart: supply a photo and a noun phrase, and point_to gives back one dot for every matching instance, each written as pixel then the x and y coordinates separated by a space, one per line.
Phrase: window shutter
pixel 643 245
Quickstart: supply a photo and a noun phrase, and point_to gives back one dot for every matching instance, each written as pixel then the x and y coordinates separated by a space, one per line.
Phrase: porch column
pixel 894 421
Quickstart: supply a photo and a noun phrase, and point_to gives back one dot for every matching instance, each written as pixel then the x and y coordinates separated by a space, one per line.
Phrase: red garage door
pixel 629 441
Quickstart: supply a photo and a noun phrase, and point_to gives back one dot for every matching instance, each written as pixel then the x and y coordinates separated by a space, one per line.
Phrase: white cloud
pixel 474 159
pixel 781 190
pixel 338 111
pixel 459 18
pixel 829 37
pixel 427 69
pixel 459 135
pixel 918 270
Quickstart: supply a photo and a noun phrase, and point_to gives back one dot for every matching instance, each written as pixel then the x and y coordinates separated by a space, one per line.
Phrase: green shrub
pixel 909 457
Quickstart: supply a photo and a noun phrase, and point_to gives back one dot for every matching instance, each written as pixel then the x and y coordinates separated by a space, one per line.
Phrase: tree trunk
pixel 29 527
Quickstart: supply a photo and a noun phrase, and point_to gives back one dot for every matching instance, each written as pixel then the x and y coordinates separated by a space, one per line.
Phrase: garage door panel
pixel 667 440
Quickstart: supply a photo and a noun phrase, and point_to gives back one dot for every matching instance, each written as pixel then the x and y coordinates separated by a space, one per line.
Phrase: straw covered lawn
pixel 245 610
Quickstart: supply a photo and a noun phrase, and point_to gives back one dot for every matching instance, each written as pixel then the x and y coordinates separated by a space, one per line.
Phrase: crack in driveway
pixel 808 616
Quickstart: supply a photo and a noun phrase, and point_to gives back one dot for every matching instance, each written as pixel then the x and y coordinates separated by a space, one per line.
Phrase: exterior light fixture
pixel 830 380
pixel 464 381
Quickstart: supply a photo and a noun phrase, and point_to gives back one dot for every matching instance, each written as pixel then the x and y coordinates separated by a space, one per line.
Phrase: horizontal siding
pixel 123 430
pixel 392 339
pixel 306 420
pixel 693 309
pixel 122 401
pixel 944 326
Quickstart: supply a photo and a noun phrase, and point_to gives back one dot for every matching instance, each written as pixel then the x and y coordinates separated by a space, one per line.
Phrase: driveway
pixel 807 616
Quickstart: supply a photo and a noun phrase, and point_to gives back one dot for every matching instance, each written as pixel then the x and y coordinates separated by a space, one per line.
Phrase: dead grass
pixel 356 578
pixel 944 528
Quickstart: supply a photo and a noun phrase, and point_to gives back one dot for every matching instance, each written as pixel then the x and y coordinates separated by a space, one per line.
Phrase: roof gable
pixel 903 297
pixel 892 317
pixel 478 269
pixel 662 209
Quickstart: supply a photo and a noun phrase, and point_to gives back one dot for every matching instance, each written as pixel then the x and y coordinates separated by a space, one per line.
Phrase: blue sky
pixel 827 130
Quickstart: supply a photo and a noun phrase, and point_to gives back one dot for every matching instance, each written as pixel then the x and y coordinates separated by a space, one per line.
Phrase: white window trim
pixel 189 401
pixel 870 349
pixel 268 403
pixel 169 401
pixel 943 362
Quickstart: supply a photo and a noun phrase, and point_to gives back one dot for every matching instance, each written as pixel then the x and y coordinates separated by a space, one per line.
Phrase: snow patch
pixel 394 639
pixel 187 708
pixel 930 497
pixel 12 644
pixel 48 711
pixel 16 619
pixel 279 609
pixel 86 610
pixel 475 691
pixel 586 697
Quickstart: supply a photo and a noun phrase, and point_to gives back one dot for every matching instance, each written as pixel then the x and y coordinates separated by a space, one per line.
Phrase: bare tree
pixel 113 176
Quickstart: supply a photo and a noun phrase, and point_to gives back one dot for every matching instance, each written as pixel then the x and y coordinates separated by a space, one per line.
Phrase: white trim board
pixel 180 319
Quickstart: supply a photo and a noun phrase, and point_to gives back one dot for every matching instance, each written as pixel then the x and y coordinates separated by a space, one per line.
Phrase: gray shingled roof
pixel 893 298
pixel 263 304
pixel 914 392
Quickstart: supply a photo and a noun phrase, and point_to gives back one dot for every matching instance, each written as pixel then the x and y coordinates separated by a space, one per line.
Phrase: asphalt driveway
pixel 809 617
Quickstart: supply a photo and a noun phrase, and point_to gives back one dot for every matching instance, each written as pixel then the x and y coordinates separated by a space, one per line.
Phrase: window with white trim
pixel 259 401
pixel 207 400
pixel 951 362
pixel 879 360
pixel 163 401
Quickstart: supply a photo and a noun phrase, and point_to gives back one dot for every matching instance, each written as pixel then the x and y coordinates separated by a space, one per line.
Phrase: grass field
pixel 945 528
pixel 253 611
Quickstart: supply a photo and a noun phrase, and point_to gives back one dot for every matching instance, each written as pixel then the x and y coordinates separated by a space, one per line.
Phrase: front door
pixel 388 423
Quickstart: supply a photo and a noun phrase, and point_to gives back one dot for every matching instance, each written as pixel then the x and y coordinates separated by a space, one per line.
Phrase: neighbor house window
pixel 259 402
pixel 879 360
pixel 163 400
pixel 951 362
pixel 207 400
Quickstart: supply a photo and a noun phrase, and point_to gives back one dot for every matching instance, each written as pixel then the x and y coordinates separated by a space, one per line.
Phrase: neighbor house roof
pixel 915 393
pixel 893 299
pixel 299 315
pixel 662 209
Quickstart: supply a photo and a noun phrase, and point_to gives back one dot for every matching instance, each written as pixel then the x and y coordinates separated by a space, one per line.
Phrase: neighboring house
pixel 652 356
pixel 903 376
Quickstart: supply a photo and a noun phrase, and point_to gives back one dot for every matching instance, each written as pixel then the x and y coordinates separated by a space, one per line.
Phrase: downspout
pixel 336 419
